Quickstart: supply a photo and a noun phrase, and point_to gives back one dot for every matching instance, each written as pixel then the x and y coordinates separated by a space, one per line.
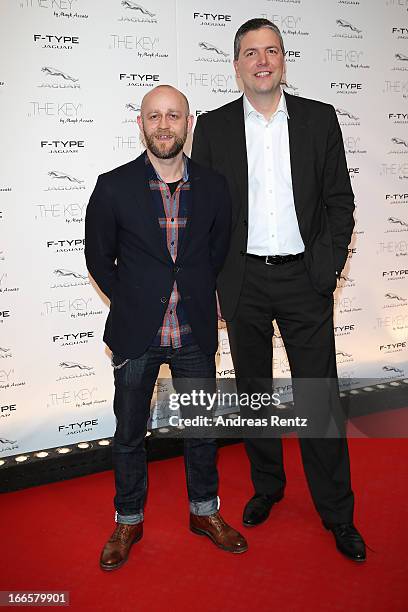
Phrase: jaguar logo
pixel 137 7
pixel 72 365
pixel 133 107
pixel 344 113
pixel 397 221
pixel 394 296
pixel 55 72
pixel 387 368
pixel 62 272
pixel 62 175
pixel 210 47
pixel 399 141
pixel 343 354
pixel 346 24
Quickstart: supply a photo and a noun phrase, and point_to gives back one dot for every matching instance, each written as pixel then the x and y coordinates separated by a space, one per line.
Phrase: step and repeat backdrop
pixel 72 77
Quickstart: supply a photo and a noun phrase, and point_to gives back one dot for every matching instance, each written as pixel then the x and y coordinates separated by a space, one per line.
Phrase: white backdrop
pixel 72 76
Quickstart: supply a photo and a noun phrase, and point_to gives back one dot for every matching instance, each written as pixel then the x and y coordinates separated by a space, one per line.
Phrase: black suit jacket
pixel 127 255
pixel 322 191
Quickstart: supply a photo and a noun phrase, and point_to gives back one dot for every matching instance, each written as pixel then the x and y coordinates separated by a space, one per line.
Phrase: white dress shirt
pixel 273 227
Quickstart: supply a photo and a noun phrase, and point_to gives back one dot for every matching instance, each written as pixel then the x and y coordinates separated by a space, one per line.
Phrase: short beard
pixel 174 150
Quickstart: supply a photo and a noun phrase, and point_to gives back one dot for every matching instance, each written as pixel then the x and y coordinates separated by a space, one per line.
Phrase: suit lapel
pixel 148 218
pixel 298 141
pixel 194 187
pixel 235 136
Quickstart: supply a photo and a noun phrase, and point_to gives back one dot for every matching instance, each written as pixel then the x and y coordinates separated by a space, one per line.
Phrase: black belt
pixel 276 260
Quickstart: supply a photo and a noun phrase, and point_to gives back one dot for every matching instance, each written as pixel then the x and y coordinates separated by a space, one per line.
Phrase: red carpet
pixel 52 536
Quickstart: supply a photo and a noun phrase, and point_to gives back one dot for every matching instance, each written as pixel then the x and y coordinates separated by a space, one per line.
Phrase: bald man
pixel 156 234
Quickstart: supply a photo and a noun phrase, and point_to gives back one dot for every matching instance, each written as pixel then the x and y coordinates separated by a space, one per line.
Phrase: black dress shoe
pixel 258 508
pixel 348 541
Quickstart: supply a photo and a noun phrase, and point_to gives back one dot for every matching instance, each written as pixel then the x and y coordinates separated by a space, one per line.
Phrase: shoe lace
pixel 122 533
pixel 218 522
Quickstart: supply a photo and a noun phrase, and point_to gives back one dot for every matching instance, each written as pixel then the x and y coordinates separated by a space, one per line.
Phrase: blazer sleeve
pixel 201 150
pixel 101 238
pixel 337 193
pixel 221 228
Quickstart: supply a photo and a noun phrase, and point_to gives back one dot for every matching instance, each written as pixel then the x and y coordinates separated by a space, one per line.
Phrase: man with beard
pixel 156 235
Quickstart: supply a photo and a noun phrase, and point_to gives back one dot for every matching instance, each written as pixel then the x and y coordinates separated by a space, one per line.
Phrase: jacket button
pixel 163 300
pixel 245 223
pixel 242 253
pixel 176 270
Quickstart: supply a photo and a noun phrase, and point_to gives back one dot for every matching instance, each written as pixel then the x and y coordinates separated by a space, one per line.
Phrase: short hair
pixel 255 24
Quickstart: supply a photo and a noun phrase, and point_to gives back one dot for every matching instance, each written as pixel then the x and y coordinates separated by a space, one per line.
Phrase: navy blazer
pixel 128 258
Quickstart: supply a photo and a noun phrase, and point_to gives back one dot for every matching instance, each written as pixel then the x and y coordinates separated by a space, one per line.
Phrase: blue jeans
pixel 134 385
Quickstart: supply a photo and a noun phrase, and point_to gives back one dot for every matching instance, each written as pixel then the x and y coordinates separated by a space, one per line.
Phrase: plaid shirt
pixel 172 213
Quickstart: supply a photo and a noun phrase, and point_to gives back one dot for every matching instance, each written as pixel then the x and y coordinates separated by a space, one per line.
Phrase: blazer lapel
pixel 298 140
pixel 235 136
pixel 194 181
pixel 138 185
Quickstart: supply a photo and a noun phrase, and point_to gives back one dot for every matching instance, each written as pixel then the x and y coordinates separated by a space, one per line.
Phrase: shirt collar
pixel 155 176
pixel 249 109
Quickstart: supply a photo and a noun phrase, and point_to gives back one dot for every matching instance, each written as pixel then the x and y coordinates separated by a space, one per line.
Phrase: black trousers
pixel 305 318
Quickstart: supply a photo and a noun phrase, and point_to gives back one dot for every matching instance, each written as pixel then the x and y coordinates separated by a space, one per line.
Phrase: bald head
pixel 165 121
pixel 165 94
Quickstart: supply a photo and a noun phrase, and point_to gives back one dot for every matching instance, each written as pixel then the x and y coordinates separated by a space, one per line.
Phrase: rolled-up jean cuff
pixel 129 519
pixel 205 508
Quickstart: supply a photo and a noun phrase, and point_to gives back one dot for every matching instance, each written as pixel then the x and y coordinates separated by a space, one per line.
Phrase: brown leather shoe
pixel 117 548
pixel 219 532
